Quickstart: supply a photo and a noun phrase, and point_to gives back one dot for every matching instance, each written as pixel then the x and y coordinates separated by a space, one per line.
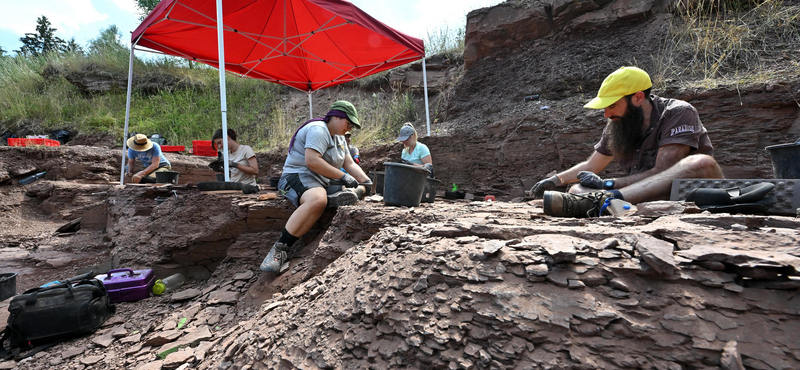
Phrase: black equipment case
pixel 41 317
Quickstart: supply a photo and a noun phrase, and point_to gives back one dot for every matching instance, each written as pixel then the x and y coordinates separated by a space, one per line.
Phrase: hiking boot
pixel 574 205
pixel 345 197
pixel 276 257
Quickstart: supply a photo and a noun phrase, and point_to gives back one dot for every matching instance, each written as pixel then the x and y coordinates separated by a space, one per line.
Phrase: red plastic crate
pixel 17 142
pixel 172 148
pixel 203 148
pixel 31 142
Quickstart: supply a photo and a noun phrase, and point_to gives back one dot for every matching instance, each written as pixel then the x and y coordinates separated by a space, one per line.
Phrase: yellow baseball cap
pixel 624 81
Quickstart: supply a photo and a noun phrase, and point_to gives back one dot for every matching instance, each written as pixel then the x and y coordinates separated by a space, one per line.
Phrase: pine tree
pixel 72 47
pixel 43 41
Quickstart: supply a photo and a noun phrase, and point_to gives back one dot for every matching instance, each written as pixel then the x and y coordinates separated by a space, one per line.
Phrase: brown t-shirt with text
pixel 676 122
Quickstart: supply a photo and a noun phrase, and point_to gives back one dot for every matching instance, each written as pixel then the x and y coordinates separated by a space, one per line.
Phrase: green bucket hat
pixel 347 108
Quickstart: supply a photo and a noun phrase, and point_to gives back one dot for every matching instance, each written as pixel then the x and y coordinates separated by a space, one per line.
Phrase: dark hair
pixel 646 95
pixel 218 135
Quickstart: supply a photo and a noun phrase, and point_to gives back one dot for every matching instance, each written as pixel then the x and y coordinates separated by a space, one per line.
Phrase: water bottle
pixel 619 207
pixel 168 283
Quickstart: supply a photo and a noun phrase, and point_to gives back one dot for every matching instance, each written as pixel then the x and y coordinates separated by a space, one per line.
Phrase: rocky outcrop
pixel 93 79
pixel 88 164
pixel 503 287
pixel 513 24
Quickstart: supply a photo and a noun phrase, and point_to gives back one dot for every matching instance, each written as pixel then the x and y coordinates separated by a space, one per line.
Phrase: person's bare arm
pixel 316 163
pixel 667 156
pixel 129 170
pixel 426 159
pixel 354 169
pixel 595 163
pixel 251 168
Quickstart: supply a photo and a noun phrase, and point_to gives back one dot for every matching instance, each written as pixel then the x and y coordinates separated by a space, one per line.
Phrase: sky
pixel 83 20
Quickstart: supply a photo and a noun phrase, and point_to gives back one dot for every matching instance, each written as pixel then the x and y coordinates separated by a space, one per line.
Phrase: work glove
pixel 357 159
pixel 590 180
pixel 550 183
pixel 216 165
pixel 429 167
pixel 232 164
pixel 349 181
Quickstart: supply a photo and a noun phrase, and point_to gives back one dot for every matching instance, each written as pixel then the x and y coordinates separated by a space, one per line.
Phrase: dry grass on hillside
pixel 715 40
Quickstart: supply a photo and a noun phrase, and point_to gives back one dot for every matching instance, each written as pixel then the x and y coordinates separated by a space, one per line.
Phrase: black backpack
pixel 42 317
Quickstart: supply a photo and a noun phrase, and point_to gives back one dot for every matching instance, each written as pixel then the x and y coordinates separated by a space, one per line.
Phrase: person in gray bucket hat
pixel 317 154
pixel 414 153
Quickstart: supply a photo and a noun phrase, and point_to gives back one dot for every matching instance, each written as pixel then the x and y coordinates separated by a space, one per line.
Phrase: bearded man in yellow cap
pixel 654 139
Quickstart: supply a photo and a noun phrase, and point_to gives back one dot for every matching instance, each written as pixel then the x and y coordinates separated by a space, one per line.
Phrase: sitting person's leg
pixel 312 205
pixel 151 177
pixel 659 186
pixel 578 189
pixel 584 202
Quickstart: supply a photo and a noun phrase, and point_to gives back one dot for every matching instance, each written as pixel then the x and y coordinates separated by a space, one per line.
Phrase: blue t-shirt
pixel 420 151
pixel 147 156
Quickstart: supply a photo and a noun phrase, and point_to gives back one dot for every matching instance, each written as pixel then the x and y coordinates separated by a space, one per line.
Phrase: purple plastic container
pixel 126 285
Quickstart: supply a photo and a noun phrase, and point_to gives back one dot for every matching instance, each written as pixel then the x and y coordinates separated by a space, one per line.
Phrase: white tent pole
pixel 310 106
pixel 425 83
pixel 223 103
pixel 127 118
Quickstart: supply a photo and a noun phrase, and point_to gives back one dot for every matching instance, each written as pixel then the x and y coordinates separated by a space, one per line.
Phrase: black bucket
pixel 273 181
pixel 377 179
pixel 403 184
pixel 459 194
pixel 220 177
pixel 8 285
pixel 785 160
pixel 167 177
pixel 431 185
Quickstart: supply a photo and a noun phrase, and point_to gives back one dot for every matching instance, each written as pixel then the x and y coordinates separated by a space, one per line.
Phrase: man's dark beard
pixel 625 133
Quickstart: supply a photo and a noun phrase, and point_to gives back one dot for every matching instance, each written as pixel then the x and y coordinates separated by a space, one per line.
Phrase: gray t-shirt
pixel 315 135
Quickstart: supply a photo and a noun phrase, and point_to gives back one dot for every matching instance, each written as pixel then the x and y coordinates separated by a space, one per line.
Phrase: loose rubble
pixel 459 284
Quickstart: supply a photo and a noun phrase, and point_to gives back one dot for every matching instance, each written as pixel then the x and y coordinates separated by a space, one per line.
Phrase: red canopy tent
pixel 304 44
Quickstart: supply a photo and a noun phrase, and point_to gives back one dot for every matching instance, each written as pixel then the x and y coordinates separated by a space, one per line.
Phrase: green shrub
pixel 100 123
